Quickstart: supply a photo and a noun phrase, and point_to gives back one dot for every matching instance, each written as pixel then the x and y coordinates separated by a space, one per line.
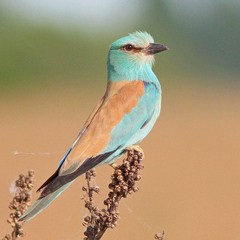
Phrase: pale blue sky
pixel 102 14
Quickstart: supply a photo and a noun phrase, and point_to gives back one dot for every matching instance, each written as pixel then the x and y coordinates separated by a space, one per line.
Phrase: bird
pixel 122 118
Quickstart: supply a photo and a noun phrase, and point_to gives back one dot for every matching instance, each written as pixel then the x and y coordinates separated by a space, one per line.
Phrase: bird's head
pixel 133 53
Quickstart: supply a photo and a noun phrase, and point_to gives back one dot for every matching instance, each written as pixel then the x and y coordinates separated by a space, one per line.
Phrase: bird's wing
pixel 100 136
pixel 119 116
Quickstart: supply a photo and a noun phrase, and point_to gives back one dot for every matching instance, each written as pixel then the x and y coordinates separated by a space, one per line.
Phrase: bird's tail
pixel 42 203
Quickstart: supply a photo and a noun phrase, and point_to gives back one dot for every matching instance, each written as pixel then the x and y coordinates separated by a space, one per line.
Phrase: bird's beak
pixel 154 48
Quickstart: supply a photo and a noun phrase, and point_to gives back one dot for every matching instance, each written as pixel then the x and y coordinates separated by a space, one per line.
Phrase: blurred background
pixel 52 73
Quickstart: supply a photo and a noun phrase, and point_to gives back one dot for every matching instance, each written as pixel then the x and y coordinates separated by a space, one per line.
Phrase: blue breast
pixel 139 117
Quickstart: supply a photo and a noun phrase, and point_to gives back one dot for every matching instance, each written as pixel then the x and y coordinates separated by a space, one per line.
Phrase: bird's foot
pixel 137 149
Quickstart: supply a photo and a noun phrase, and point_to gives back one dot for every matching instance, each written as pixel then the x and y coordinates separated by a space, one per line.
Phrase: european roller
pixel 123 117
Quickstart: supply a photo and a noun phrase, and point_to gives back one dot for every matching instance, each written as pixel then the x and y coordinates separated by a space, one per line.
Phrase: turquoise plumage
pixel 123 117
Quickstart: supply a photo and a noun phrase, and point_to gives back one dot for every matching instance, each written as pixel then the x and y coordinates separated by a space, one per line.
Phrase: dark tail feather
pixel 56 184
pixel 49 180
pixel 42 203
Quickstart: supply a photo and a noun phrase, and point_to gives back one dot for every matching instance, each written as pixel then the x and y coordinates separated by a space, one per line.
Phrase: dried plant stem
pixel 122 184
pixel 19 204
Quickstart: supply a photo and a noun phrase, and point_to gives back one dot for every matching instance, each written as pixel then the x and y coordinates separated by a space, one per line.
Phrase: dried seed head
pixel 122 183
pixel 135 189
pixel 20 203
pixel 118 172
pixel 159 236
pixel 119 177
pixel 87 219
pixel 138 177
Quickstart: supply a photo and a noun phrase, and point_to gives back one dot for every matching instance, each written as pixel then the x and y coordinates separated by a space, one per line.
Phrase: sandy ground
pixel 190 186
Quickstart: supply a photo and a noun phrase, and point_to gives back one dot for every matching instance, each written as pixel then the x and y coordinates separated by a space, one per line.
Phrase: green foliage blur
pixel 200 50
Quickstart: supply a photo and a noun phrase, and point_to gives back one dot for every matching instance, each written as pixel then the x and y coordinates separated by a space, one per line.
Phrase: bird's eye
pixel 128 47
